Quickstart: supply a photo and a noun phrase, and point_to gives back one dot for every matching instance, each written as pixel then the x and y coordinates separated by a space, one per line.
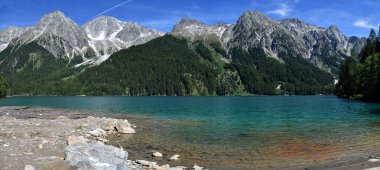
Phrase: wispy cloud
pixel 284 7
pixel 365 24
pixel 283 10
pixel 112 8
pixel 193 7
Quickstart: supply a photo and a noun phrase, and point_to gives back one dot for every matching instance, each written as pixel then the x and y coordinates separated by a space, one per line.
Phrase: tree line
pixel 359 78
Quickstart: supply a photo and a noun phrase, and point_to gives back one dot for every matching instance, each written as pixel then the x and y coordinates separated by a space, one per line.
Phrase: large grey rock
pixel 96 157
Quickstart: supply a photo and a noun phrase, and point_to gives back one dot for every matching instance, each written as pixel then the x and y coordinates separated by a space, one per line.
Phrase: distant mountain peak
pixel 108 35
pixel 188 21
pixel 11 32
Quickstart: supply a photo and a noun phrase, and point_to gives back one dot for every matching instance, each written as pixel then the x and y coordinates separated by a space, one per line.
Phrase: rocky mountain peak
pixel 58 34
pixel 185 23
pixel 108 35
pixel 188 21
pixel 102 26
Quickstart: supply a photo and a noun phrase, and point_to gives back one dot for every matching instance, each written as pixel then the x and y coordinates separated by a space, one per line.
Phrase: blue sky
pixel 353 17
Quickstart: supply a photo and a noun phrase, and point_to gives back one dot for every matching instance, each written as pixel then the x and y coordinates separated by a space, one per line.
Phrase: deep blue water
pixel 237 120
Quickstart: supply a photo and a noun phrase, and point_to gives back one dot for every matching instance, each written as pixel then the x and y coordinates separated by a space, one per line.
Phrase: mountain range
pixel 58 48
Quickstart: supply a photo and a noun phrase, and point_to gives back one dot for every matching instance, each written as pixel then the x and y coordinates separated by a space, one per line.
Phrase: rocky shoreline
pixel 41 138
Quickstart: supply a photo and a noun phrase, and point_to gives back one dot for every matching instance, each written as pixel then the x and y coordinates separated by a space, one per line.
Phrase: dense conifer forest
pixel 360 78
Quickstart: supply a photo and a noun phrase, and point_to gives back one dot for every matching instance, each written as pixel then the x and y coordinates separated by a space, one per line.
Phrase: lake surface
pixel 284 131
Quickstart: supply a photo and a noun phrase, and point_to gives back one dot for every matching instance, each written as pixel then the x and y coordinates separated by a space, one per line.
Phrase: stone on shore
pixel 72 140
pixel 96 157
pixel 98 132
pixel 108 124
pixel 157 154
pixel 123 126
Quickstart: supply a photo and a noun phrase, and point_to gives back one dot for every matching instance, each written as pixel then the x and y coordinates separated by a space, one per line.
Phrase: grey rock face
pixel 10 33
pixel 96 157
pixel 108 35
pixel 196 30
pixel 325 48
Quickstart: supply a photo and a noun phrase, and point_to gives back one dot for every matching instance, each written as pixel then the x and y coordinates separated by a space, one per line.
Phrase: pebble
pixel 40 146
pixel 174 157
pixel 373 160
pixel 157 154
pixel 29 167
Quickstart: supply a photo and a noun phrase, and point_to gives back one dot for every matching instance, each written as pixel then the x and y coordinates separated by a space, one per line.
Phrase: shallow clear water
pixel 239 123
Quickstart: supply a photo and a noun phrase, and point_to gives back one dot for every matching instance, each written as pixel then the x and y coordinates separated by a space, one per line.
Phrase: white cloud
pixel 283 10
pixel 365 24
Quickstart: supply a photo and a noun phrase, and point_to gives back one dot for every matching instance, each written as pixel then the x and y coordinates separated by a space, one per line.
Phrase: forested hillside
pixel 167 65
pixel 173 66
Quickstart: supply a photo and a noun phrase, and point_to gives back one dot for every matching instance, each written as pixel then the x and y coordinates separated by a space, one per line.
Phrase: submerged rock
pixel 174 157
pixel 179 168
pixel 157 154
pixel 123 126
pixel 96 157
pixel 373 160
pixel 196 167
pixel 29 167
pixel 163 167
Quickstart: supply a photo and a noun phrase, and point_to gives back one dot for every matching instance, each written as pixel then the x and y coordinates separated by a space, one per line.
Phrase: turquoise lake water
pixel 237 122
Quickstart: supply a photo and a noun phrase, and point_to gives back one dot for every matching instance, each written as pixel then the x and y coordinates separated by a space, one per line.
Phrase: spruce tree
pixel 372 35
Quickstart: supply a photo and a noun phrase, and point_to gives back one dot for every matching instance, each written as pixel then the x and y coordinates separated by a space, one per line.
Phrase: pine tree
pixel 372 35
pixel 366 51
